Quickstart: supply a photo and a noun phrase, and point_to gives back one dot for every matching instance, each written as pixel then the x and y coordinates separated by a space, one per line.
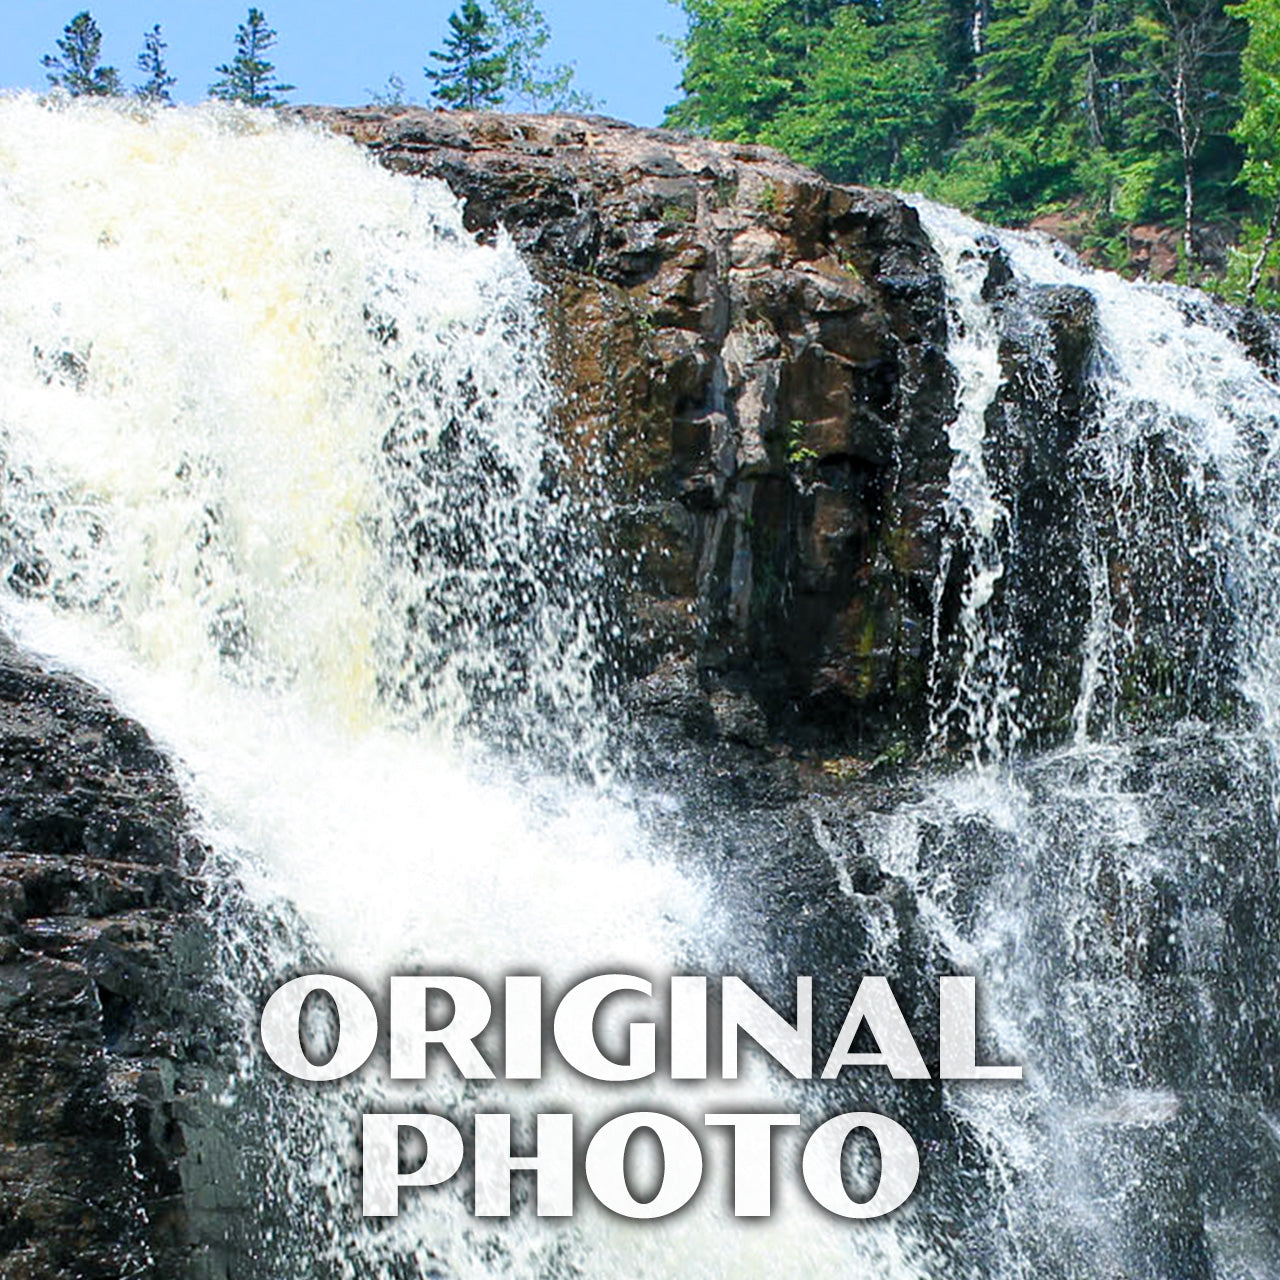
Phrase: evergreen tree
pixel 152 64
pixel 523 33
pixel 1189 59
pixel 1049 107
pixel 1258 129
pixel 249 77
pixel 874 102
pixel 744 63
pixel 472 68
pixel 864 90
pixel 77 70
pixel 1118 109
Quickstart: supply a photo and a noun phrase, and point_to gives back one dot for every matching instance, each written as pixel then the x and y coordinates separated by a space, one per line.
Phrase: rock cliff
pixel 752 364
pixel 108 1050
pixel 754 361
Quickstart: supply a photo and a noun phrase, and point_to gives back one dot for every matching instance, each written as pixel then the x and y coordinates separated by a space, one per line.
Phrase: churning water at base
pixel 275 473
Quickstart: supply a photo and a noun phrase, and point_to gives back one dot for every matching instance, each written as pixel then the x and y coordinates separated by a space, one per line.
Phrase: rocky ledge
pixel 754 362
pixel 114 1159
pixel 757 359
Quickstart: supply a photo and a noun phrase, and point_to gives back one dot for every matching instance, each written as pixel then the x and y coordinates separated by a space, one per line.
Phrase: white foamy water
pixel 982 708
pixel 1091 888
pixel 274 452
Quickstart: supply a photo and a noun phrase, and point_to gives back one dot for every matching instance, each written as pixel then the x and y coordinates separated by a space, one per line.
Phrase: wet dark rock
pixel 1044 408
pixel 752 361
pixel 115 1038
pixel 1259 333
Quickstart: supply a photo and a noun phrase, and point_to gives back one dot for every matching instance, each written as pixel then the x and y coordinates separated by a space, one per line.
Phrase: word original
pixel 448 1022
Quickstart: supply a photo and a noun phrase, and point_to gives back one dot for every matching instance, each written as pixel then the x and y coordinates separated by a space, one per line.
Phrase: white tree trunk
pixel 1268 243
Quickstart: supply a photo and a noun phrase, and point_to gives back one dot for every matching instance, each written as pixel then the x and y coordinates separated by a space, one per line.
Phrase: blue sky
pixel 335 51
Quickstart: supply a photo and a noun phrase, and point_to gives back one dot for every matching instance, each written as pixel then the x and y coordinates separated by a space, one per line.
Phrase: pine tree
pixel 248 77
pixel 77 70
pixel 152 64
pixel 472 70
pixel 874 102
pixel 523 33
pixel 1116 108
pixel 864 90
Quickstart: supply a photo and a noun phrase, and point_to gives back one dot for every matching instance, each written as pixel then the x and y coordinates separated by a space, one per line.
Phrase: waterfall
pixel 1118 894
pixel 277 474
pixel 982 708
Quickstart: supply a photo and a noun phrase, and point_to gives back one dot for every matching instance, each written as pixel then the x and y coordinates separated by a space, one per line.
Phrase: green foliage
pixel 872 104
pixel 1258 133
pixel 896 753
pixel 1185 101
pixel 76 68
pixel 1119 110
pixel 745 62
pixel 152 64
pixel 1052 108
pixel 1258 128
pixel 249 77
pixel 798 453
pixel 1251 258
pixel 523 36
pixel 473 69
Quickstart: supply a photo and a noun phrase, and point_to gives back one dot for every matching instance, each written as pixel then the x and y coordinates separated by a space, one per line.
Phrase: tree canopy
pixel 76 67
pixel 524 34
pixel 1258 133
pixel 249 78
pixel 1120 111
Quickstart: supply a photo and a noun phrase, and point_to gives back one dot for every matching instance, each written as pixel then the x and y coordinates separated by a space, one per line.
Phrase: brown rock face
pixel 752 360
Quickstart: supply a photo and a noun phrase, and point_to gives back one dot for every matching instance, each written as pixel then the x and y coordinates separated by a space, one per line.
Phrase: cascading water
pixel 275 473
pixel 981 710
pixel 1119 896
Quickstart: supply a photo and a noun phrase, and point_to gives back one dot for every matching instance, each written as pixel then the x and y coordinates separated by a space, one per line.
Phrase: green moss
pixel 896 753
pixel 768 200
pixel 899 545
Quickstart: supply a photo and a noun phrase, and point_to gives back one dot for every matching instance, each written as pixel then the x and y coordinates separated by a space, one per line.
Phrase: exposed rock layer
pixel 753 359
pixel 110 1161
